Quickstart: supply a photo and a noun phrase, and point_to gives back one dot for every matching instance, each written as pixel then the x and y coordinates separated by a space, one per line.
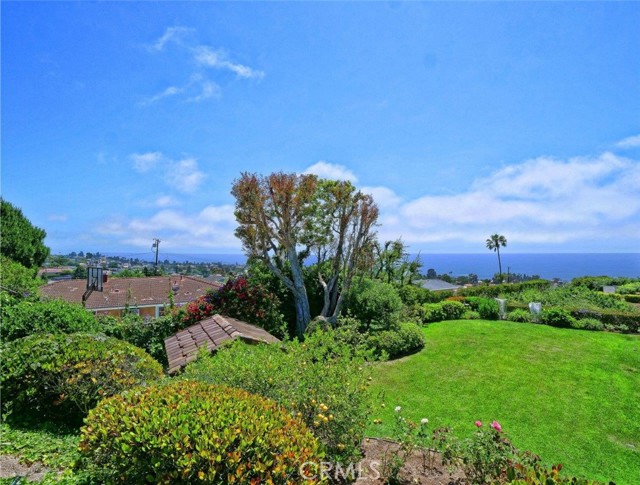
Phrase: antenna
pixel 156 245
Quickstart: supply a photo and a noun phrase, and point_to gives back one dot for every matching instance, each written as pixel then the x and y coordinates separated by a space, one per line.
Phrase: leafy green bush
pixel 471 315
pixel 494 291
pixel 612 319
pixel 629 288
pixel 597 282
pixel 557 317
pixel 192 432
pixel 519 315
pixel 64 376
pixel 406 339
pixel 17 282
pixel 432 312
pixel 51 316
pixel 376 304
pixel 453 310
pixel 416 295
pixel 148 335
pixel 632 298
pixel 323 381
pixel 587 324
pixel 487 307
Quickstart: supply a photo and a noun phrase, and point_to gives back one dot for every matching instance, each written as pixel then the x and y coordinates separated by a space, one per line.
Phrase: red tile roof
pixel 120 292
pixel 182 347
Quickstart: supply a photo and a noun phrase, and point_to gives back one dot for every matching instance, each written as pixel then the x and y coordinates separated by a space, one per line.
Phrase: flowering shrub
pixel 409 436
pixel 323 381
pixel 192 432
pixel 64 376
pixel 238 298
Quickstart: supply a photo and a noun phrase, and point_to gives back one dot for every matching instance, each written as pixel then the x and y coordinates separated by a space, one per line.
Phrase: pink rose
pixel 479 424
pixel 495 425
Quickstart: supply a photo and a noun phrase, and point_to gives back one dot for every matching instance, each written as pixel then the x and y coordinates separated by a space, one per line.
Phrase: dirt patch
pixel 10 467
pixel 418 469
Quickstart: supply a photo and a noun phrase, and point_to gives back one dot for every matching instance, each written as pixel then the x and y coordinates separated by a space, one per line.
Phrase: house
pixel 211 332
pixel 437 285
pixel 146 296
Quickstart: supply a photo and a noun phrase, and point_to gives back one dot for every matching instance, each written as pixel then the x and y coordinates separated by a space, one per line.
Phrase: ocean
pixel 564 266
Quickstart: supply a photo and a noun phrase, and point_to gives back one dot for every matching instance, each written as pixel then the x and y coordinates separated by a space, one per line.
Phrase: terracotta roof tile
pixel 182 347
pixel 120 292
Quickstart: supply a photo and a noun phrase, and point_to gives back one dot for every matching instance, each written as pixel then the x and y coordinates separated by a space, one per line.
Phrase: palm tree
pixel 493 244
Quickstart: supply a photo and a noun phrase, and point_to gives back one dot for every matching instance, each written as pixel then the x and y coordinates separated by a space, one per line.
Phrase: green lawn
pixel 571 396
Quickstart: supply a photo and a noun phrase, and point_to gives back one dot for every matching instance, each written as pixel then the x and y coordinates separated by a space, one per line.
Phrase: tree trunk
pixel 301 300
pixel 499 262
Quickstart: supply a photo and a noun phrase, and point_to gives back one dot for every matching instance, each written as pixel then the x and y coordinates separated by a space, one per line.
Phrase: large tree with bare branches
pixel 284 218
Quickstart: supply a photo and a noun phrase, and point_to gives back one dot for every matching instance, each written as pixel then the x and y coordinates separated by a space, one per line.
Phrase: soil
pixel 416 470
pixel 10 467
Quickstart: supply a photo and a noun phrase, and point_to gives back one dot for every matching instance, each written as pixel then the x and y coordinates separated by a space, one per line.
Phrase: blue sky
pixel 123 122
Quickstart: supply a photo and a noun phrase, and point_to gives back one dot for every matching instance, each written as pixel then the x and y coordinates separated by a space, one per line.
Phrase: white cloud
pixel 331 171
pixel 168 92
pixel 185 175
pixel 212 227
pixel 629 142
pixel 384 197
pixel 208 90
pixel 199 87
pixel 165 201
pixel 219 59
pixel 171 34
pixel 543 200
pixel 144 162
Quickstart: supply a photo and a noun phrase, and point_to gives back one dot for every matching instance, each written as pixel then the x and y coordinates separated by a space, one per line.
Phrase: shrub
pixel 487 307
pixel 322 380
pixel 64 376
pixel 51 316
pixel 192 432
pixel 376 304
pixel 629 288
pixel 432 312
pixel 453 310
pixel 587 324
pixel 471 315
pixel 519 315
pixel 632 298
pixel 416 295
pixel 148 335
pixel 557 317
pixel 241 299
pixel 406 339
pixel 17 281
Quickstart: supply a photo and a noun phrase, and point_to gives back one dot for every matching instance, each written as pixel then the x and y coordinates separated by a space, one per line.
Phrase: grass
pixel 56 446
pixel 571 396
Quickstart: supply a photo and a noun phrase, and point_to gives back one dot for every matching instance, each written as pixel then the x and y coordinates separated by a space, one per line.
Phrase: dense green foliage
pixel 148 335
pixel 597 282
pixel 374 303
pixel 17 282
pixel 48 316
pixel 573 397
pixel 323 381
pixel 192 432
pixel 406 339
pixel 64 376
pixel 494 291
pixel 19 239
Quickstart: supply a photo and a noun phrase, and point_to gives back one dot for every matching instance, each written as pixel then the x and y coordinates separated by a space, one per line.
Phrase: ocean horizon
pixel 564 266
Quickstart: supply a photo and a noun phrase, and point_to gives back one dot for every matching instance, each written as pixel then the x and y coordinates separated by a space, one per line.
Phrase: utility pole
pixel 156 245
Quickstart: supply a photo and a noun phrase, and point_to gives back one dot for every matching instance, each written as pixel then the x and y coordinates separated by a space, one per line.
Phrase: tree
pixel 392 263
pixel 284 218
pixel 493 244
pixel 20 240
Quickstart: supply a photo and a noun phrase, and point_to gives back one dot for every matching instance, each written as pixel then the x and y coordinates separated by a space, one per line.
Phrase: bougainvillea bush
pixel 241 299
pixel 192 432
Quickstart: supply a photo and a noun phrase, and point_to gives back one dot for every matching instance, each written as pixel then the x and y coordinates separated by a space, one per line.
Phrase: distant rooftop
pixel 437 285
